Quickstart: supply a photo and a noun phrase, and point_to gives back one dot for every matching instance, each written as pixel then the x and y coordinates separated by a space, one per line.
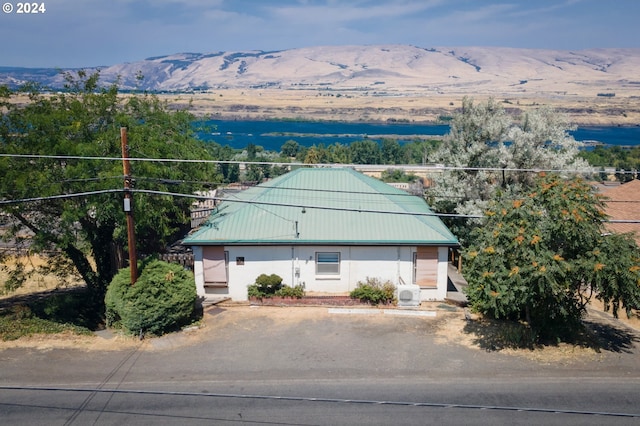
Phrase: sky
pixel 87 33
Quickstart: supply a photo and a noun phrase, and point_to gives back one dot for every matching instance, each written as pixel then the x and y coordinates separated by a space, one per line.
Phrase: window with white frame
pixel 327 263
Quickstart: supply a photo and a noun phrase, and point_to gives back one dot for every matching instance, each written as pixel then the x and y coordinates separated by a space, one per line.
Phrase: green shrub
pixel 296 292
pixel 162 299
pixel 374 291
pixel 271 285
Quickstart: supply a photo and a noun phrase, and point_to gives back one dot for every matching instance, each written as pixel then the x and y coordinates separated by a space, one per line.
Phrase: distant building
pixel 414 188
pixel 201 209
pixel 326 228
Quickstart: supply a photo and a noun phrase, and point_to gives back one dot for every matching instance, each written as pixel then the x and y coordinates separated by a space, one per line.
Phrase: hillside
pixel 382 82
pixel 382 68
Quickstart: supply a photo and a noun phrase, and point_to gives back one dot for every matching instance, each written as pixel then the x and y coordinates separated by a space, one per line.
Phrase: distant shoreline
pixel 414 108
pixel 413 122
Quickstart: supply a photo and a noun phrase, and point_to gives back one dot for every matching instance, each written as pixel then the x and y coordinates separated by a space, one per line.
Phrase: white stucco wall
pixel 296 265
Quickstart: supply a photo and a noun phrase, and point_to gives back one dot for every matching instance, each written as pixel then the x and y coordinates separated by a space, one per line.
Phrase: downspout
pixel 293 267
pixel 398 271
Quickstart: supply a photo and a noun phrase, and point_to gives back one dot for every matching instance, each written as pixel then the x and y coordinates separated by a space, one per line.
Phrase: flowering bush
pixel 541 258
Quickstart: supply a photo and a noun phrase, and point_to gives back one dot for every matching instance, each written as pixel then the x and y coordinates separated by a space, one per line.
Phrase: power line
pixel 302 206
pixel 263 203
pixel 176 181
pixel 59 197
pixel 435 167
pixel 337 191
pixel 90 179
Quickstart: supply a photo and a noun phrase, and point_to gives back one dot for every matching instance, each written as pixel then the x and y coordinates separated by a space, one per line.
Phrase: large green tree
pixel 540 258
pixel 85 235
pixel 365 152
pixel 487 148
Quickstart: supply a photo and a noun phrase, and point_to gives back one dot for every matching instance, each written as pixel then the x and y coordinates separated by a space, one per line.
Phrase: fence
pixel 184 259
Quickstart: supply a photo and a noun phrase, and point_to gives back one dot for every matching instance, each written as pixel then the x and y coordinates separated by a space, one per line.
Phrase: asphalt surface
pixel 307 366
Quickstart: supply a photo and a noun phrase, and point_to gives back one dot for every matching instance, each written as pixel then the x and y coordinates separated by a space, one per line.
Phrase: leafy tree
pixel 252 151
pixel 391 152
pixel 397 175
pixel 420 151
pixel 316 155
pixel 365 152
pixel 484 142
pixel 339 153
pixel 540 258
pixel 259 172
pixel 290 148
pixel 254 173
pixel 85 235
pixel 230 171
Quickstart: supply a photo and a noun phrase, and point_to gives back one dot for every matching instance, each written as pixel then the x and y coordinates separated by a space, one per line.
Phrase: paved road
pixel 262 367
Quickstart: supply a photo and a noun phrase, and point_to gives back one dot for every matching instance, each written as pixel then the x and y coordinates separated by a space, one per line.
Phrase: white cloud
pixel 89 32
pixel 334 11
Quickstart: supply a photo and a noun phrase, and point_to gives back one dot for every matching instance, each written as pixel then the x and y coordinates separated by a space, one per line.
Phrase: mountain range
pixel 380 68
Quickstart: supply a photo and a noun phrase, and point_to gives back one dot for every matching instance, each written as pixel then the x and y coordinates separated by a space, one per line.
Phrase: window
pixel 327 263
pixel 425 267
pixel 215 263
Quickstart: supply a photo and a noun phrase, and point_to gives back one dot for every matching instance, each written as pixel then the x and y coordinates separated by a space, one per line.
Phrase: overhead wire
pixel 304 206
pixel 436 167
pixel 194 196
pixel 59 197
pixel 264 203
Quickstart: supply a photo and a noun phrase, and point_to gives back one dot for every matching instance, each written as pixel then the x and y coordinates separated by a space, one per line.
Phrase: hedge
pixel 162 299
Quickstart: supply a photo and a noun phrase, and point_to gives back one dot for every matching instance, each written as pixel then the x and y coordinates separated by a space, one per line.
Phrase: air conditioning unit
pixel 408 295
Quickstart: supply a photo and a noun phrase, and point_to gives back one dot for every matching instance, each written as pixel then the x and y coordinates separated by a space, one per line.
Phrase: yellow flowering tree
pixel 542 257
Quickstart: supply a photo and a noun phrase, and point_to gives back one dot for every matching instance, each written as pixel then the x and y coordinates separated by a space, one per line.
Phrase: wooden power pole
pixel 128 207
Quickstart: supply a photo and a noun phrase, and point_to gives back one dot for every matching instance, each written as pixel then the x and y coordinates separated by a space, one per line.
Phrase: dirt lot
pixel 448 326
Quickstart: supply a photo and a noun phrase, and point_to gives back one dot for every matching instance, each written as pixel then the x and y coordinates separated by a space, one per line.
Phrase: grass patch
pixel 19 321
pixel 57 313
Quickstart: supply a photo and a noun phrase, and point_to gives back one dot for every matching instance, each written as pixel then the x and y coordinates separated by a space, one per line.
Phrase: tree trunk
pixel 117 257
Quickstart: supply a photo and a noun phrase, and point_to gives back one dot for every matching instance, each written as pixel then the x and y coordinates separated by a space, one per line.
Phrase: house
pixel 622 205
pixel 326 228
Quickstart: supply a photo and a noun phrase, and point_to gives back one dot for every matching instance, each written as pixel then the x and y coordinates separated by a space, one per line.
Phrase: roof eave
pixel 321 242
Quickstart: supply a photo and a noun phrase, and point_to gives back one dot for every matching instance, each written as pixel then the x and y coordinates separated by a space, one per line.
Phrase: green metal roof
pixel 329 206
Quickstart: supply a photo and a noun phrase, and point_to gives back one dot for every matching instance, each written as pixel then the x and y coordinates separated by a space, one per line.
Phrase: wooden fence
pixel 184 259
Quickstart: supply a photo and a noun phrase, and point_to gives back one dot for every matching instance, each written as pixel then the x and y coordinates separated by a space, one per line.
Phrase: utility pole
pixel 128 207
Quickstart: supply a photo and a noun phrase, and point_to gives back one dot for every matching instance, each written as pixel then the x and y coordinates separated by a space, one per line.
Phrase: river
pixel 271 135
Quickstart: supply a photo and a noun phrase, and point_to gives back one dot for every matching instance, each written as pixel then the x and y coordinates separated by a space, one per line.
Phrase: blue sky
pixel 83 33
